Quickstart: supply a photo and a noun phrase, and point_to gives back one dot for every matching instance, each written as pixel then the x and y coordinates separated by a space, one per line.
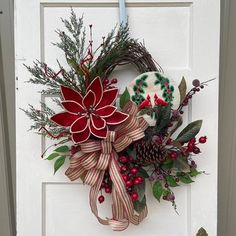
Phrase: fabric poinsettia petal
pixel 97 88
pixel 108 98
pixel 106 111
pixel 98 122
pixel 81 137
pixel 117 118
pixel 72 106
pixel 89 99
pixel 64 118
pixel 79 125
pixel 71 94
pixel 99 133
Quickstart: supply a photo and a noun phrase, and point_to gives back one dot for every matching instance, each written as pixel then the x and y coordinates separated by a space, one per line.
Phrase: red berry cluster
pixel 130 175
pixel 108 84
pixel 192 145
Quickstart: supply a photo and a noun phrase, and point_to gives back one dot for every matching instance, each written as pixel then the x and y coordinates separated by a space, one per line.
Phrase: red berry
pixel 136 182
pixel 129 183
pixel 123 168
pixel 192 140
pixel 202 139
pixel 125 177
pixel 164 197
pixel 193 163
pixel 139 178
pixel 173 155
pixel 171 197
pixel 123 159
pixel 101 199
pixel 196 150
pixel 134 170
pixel 134 196
pixel 114 81
pixel 106 82
pixel 196 83
pixel 108 190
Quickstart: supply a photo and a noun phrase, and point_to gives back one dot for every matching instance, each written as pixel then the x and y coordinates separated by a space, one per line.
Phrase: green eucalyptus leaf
pixel 140 205
pixel 185 179
pixel 182 89
pixel 171 181
pixel 62 149
pixel 157 190
pixel 167 165
pixel 190 131
pixel 124 98
pixel 58 163
pixel 52 156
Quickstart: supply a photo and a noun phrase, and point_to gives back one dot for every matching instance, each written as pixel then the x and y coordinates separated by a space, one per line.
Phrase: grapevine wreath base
pixel 115 144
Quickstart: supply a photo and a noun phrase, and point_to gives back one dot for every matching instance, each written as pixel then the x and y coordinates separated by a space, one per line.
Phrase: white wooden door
pixel 183 36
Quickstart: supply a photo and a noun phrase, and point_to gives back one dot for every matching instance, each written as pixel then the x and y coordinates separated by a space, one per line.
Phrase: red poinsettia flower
pixel 89 114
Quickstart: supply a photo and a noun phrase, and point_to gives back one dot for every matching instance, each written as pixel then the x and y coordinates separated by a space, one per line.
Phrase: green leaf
pixel 171 181
pixel 167 165
pixel 142 172
pixel 139 205
pixel 140 189
pixel 185 179
pixel 182 89
pixel 190 131
pixel 62 149
pixel 163 117
pixel 58 163
pixel 124 98
pixel 182 165
pixel 194 173
pixel 176 125
pixel 52 156
pixel 157 190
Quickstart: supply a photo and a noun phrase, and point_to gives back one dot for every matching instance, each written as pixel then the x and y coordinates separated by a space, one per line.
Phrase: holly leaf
pixel 58 163
pixel 124 98
pixel 182 89
pixel 190 131
pixel 157 190
pixel 171 181
pixel 62 149
pixel 52 156
pixel 140 205
pixel 185 179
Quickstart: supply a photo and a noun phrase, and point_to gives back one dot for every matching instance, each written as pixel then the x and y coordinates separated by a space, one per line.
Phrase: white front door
pixel 183 36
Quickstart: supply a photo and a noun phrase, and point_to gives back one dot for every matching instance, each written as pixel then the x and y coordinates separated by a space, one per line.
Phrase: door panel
pixel 183 36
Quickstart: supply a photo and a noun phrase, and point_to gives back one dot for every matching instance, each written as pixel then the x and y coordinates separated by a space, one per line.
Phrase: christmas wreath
pixel 116 143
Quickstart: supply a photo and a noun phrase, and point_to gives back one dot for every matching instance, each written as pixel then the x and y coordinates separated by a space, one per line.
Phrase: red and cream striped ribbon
pixel 96 156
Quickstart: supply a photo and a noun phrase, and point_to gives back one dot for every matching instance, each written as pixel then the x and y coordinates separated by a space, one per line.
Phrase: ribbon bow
pixel 96 156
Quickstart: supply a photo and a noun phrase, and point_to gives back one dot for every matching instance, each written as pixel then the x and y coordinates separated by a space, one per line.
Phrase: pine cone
pixel 148 152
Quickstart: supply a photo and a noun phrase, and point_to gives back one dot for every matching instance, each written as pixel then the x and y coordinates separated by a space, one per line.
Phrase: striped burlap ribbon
pixel 96 156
